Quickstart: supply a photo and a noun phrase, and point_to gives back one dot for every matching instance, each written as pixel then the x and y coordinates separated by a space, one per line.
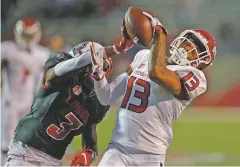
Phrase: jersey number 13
pixel 142 95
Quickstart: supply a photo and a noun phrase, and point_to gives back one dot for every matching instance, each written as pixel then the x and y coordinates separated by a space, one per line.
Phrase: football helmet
pixel 27 31
pixel 203 44
pixel 105 62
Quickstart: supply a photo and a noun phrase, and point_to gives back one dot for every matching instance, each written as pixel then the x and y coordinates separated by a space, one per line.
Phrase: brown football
pixel 138 25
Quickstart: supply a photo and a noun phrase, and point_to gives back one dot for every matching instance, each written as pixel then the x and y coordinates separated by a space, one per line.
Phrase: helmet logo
pixel 214 50
pixel 19 26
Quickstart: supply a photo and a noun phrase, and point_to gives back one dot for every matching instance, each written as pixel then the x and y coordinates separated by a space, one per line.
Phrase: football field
pixel 202 136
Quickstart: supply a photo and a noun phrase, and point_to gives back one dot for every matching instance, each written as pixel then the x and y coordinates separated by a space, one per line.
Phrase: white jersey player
pixel 155 93
pixel 23 64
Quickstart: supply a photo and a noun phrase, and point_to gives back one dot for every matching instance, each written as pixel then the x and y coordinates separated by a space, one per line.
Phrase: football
pixel 138 26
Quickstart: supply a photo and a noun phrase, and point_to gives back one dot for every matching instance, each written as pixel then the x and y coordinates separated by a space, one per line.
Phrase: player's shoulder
pixel 193 80
pixel 56 58
pixel 9 49
pixel 141 56
pixel 184 71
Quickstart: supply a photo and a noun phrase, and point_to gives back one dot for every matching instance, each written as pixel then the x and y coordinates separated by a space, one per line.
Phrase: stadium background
pixel 207 133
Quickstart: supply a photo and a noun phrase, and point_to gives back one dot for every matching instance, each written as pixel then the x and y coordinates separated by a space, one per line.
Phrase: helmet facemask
pixel 180 53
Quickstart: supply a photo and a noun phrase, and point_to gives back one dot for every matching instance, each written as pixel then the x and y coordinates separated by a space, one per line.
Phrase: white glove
pixel 155 22
pixel 97 62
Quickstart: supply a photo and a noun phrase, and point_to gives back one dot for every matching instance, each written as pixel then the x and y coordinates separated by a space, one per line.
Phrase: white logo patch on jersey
pixel 141 66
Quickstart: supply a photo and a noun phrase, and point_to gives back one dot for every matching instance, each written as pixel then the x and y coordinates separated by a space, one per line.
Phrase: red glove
pixel 83 158
pixel 154 21
pixel 125 42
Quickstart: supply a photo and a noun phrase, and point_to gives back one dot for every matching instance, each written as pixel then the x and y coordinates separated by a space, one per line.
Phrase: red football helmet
pixel 27 31
pixel 203 44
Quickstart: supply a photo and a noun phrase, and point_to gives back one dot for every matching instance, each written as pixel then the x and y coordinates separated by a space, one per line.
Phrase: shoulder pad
pixel 193 79
pixel 139 58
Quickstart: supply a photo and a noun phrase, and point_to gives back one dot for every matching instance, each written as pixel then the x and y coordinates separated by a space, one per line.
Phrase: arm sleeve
pixel 81 56
pixel 73 64
pixel 109 93
pixel 65 65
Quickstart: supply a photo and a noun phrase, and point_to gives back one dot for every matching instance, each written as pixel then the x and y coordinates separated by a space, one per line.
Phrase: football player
pixel 156 93
pixel 65 106
pixel 22 63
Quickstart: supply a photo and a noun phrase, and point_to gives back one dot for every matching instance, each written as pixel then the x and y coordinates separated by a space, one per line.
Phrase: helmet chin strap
pixel 179 57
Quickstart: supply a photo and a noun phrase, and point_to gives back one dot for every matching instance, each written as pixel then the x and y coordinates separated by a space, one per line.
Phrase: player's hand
pixel 155 22
pixel 97 63
pixel 83 158
pixel 108 67
pixel 125 43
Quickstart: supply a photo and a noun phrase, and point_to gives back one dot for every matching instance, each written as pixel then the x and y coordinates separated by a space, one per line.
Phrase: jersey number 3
pixel 66 127
pixel 142 95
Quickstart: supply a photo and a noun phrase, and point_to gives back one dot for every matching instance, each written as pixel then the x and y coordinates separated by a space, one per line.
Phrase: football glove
pixel 83 158
pixel 97 63
pixel 155 22
pixel 125 42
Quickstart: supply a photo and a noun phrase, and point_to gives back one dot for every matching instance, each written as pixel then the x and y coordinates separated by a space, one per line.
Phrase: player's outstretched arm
pixel 107 93
pixel 157 66
pixel 89 137
pixel 89 145
pixel 65 68
pixel 158 71
pixel 123 45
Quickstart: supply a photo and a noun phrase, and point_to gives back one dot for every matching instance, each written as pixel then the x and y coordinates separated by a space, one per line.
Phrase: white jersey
pixel 24 67
pixel 21 76
pixel 147 110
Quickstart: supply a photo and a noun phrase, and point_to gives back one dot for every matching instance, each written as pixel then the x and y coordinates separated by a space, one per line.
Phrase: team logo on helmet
pixel 79 49
pixel 58 57
pixel 214 50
